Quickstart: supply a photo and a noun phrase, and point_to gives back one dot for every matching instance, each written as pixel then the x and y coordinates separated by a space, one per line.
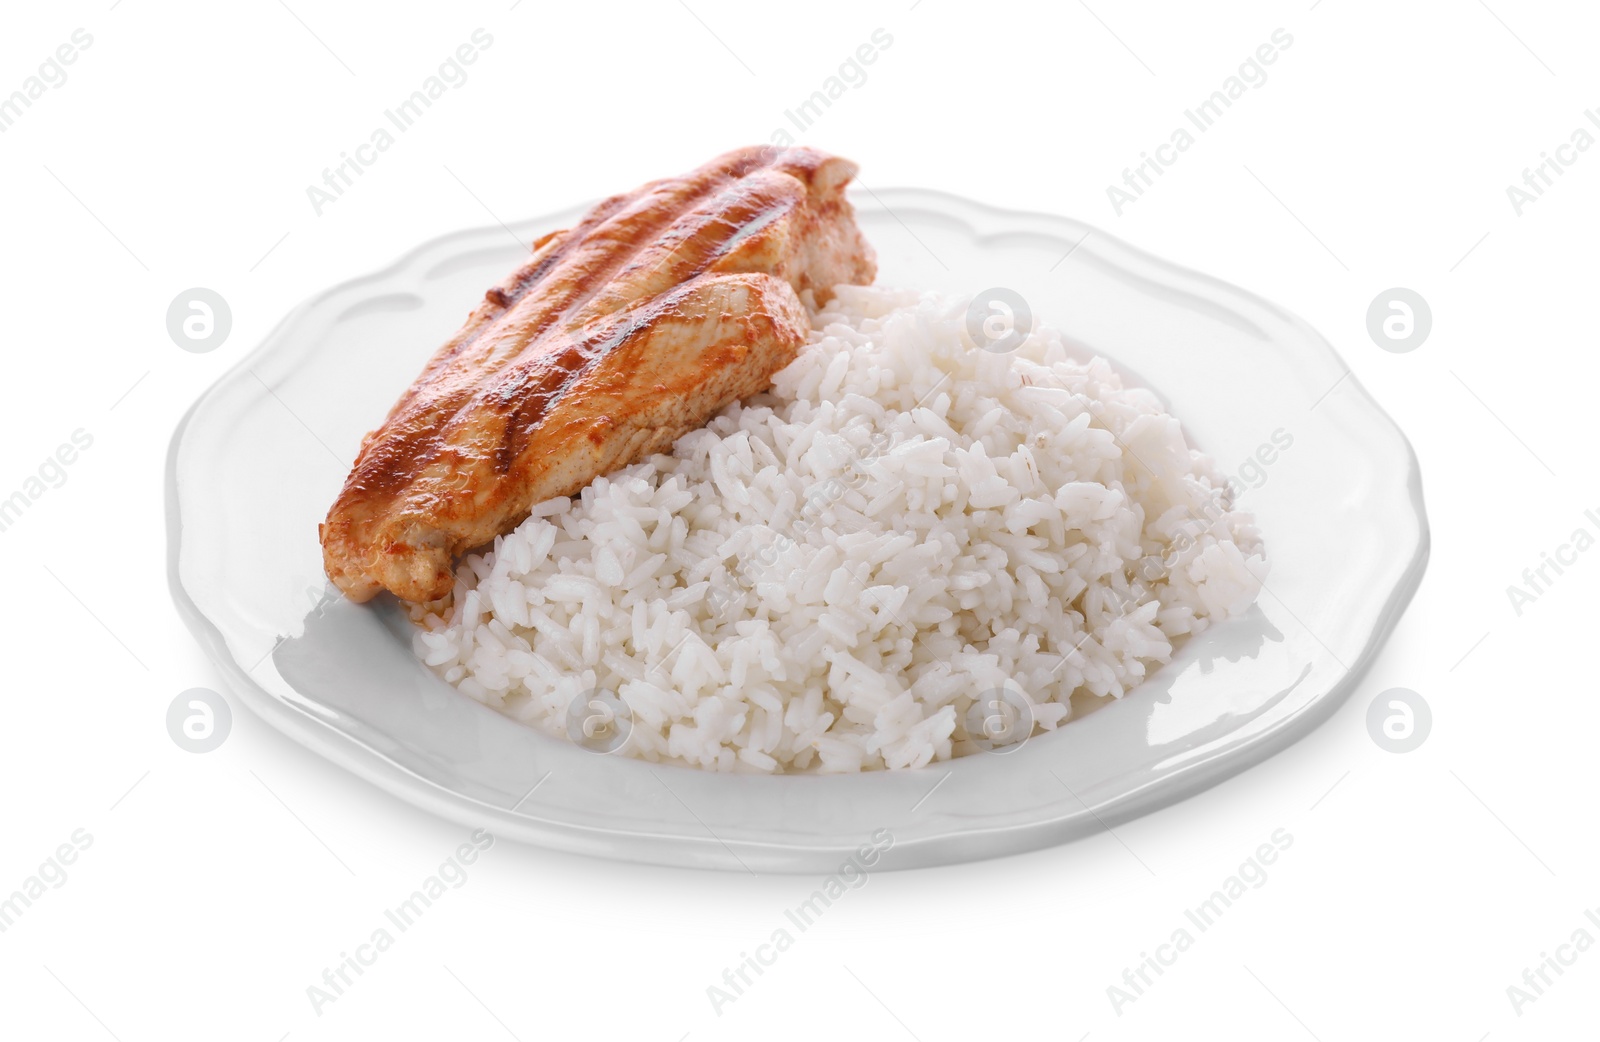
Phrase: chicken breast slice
pixel 618 336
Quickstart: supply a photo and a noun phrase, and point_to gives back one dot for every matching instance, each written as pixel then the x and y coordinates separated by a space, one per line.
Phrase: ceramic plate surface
pixel 256 462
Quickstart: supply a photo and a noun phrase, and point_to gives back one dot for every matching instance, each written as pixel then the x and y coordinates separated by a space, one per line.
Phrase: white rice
pixel 910 549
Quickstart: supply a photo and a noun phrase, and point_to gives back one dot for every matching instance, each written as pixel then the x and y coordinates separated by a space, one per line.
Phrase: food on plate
pixel 618 336
pixel 750 513
pixel 908 549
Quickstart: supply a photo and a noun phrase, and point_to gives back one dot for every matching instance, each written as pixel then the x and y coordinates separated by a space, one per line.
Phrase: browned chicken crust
pixel 617 337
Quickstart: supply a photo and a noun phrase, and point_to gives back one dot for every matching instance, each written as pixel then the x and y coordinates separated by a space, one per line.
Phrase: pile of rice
pixel 910 549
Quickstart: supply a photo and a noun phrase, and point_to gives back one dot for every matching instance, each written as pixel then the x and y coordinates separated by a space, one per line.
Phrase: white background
pixel 1377 154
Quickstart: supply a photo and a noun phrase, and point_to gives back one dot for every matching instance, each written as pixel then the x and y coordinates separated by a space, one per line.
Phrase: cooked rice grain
pixel 910 549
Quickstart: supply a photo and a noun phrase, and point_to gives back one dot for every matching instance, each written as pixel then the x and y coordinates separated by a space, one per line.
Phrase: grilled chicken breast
pixel 617 337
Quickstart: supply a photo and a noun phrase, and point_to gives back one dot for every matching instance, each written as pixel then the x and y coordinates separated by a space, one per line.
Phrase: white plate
pixel 258 459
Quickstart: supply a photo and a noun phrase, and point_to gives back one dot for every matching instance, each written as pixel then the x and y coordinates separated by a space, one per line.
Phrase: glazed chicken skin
pixel 617 337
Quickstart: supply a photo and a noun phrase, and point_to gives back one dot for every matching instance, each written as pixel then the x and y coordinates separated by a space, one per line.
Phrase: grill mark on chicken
pixel 528 278
pixel 659 307
pixel 527 409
